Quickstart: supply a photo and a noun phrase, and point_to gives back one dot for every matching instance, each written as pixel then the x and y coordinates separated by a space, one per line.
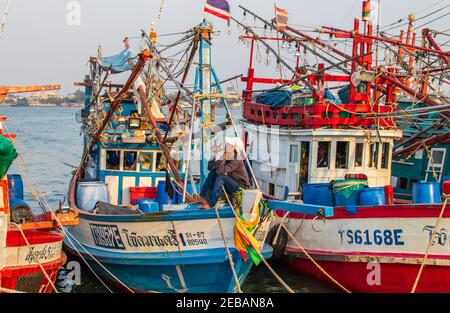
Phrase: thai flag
pixel 219 8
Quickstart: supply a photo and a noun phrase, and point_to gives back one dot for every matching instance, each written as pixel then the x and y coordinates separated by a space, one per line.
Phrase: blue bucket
pixel 162 197
pixel 372 196
pixel 147 205
pixel 341 200
pixel 15 187
pixel 426 192
pixel 318 194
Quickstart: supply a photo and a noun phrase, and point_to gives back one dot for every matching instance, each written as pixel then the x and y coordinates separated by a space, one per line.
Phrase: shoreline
pixel 40 106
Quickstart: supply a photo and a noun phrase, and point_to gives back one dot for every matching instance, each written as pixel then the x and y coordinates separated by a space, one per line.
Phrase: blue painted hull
pixel 203 271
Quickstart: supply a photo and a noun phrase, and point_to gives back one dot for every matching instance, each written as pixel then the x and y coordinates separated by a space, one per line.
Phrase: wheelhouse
pixel 292 157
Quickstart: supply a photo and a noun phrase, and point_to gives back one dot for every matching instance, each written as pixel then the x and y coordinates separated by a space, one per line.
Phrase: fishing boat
pixel 324 161
pixel 137 229
pixel 30 244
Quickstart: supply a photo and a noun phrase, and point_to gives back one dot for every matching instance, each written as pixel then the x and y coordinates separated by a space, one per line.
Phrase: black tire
pixel 20 213
pixel 280 245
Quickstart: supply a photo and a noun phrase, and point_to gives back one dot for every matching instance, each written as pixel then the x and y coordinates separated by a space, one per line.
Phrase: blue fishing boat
pixel 137 228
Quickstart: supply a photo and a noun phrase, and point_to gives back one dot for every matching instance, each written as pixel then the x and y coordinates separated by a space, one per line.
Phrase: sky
pixel 40 47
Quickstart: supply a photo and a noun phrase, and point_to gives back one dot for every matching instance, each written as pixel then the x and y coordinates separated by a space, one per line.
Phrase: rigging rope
pixel 425 257
pixel 5 15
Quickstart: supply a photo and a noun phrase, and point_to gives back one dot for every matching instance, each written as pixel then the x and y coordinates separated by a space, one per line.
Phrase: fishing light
pixel 291 49
pixel 417 70
pixel 284 44
pixel 389 57
pixel 267 57
pixel 134 123
pixel 278 66
pixel 244 18
pixel 297 52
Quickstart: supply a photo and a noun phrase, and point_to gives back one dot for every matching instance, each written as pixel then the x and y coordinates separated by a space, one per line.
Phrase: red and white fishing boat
pixel 30 245
pixel 352 228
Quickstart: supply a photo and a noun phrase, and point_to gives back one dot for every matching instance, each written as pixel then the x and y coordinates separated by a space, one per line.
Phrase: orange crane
pixel 5 90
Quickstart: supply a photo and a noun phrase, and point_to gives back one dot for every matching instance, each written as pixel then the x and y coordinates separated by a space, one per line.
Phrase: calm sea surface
pixel 50 143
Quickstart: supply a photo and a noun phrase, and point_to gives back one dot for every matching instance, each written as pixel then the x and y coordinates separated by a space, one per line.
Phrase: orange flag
pixel 281 17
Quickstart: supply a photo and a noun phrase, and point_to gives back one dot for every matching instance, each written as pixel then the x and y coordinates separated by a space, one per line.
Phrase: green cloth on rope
pixel 347 186
pixel 253 255
pixel 7 155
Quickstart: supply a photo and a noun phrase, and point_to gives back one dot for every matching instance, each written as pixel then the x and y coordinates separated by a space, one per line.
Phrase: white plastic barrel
pixel 89 192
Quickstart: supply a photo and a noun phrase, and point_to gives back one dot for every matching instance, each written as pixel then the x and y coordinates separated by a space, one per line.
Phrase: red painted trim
pixel 369 254
pixel 387 211
pixel 14 238
pixel 394 277
pixel 9 275
pixel 315 115
pixel 262 80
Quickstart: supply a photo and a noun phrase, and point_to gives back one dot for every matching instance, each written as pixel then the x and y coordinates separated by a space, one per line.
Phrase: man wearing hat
pixel 226 169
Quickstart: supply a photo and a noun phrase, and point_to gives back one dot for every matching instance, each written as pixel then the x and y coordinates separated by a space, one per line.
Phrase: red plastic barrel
pixel 142 193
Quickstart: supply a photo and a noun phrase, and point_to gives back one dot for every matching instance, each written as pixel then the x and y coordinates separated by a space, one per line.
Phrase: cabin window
pixel 403 183
pixel 359 152
pixel 146 161
pixel 271 189
pixel 341 154
pixel 373 160
pixel 113 160
pixel 129 160
pixel 323 156
pixel 436 163
pixel 385 155
pixel 293 154
pixel 304 163
pixel 160 165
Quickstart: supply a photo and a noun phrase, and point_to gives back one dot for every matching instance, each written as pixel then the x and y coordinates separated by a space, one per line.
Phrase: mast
pixel 203 87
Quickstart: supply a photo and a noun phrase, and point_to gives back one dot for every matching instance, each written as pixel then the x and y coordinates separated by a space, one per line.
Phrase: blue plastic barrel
pixel 162 197
pixel 426 192
pixel 318 194
pixel 372 196
pixel 147 205
pixel 15 187
pixel 445 177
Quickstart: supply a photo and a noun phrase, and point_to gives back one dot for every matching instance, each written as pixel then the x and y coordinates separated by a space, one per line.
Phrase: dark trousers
pixel 212 188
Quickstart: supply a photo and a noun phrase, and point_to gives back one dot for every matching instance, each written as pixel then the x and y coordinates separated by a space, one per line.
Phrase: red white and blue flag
pixel 219 8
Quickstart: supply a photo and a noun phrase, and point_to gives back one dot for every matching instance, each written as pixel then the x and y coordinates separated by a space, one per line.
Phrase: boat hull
pixel 374 249
pixel 394 277
pixel 21 271
pixel 161 252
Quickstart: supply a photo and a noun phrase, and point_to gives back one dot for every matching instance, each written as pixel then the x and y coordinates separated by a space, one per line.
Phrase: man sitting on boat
pixel 226 169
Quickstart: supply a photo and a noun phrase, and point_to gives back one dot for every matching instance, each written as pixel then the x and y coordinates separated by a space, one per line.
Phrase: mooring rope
pixel 230 257
pixel 311 258
pixel 280 280
pixel 425 257
pixel 35 258
pixel 34 186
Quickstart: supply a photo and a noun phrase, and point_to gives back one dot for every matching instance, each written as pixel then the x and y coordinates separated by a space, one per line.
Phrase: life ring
pixel 279 246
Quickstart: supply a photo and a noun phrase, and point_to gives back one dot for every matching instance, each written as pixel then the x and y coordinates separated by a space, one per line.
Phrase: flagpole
pixel 278 41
